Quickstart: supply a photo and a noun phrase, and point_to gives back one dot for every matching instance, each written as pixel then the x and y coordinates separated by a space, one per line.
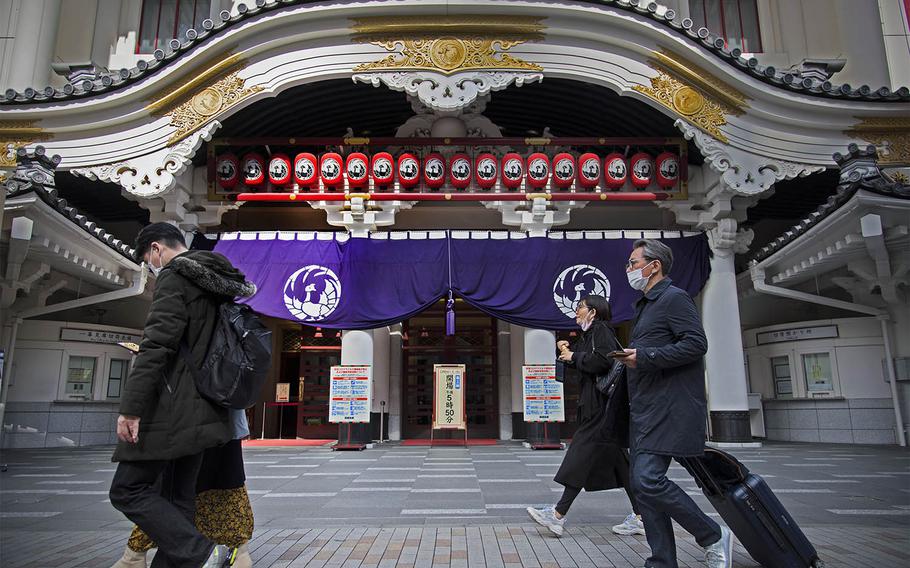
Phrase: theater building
pixel 416 182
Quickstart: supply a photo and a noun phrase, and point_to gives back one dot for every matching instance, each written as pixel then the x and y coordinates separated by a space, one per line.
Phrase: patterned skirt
pixel 223 511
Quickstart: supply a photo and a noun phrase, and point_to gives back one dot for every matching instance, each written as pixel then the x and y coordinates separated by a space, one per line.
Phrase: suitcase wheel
pixel 818 563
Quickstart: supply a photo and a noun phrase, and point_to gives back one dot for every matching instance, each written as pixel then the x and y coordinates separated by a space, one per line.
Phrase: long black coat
pixel 175 420
pixel 668 406
pixel 593 460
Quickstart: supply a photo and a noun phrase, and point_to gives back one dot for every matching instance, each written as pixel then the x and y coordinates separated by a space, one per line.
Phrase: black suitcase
pixel 752 511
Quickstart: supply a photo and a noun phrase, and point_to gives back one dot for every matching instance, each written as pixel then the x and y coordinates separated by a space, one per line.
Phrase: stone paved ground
pixel 422 507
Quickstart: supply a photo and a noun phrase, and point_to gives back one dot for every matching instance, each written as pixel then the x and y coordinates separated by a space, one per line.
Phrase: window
pixel 780 371
pixel 164 20
pixel 734 20
pixel 117 377
pixel 79 377
pixel 819 377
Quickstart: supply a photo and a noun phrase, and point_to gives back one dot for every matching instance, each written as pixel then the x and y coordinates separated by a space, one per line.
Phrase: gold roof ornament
pixel 695 95
pixel 890 135
pixel 448 44
pixel 15 134
pixel 206 95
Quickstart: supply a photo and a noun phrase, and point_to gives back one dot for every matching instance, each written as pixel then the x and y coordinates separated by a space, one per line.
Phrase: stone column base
pixel 730 426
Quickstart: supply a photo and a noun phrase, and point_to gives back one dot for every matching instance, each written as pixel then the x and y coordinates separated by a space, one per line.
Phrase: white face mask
pixel 585 324
pixel 637 280
pixel 155 270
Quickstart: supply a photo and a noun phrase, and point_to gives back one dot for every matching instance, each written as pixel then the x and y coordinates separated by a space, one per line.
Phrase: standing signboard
pixel 350 394
pixel 448 399
pixel 544 399
pixel 282 392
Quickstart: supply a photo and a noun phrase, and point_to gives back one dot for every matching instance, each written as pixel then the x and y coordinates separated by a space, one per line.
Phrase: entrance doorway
pixel 474 345
pixel 307 357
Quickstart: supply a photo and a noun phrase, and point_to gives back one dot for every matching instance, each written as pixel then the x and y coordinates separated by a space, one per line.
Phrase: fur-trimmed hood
pixel 212 272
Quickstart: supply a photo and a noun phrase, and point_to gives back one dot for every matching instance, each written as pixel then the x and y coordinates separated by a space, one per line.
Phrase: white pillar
pixel 504 372
pixel 357 349
pixel 728 402
pixel 33 45
pixel 393 405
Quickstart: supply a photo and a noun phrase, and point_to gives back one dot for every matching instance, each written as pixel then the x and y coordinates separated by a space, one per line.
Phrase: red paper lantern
pixel 357 169
pixel 460 170
pixel 642 168
pixel 408 170
pixel 588 170
pixel 616 171
pixel 305 170
pixel 513 170
pixel 538 170
pixel 227 170
pixel 331 169
pixel 253 169
pixel 434 170
pixel 563 170
pixel 280 170
pixel 486 170
pixel 667 170
pixel 382 169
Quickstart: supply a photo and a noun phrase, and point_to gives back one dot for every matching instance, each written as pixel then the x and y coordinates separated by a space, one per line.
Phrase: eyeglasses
pixel 631 262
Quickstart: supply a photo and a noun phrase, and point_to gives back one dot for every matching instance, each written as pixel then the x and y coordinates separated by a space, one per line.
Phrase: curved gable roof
pixel 196 39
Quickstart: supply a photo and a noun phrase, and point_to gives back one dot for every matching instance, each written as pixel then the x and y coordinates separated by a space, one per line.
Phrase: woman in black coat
pixel 594 460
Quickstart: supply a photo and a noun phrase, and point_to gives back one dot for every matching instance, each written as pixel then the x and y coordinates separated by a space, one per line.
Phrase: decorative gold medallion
pixel 207 102
pixel 448 44
pixel 448 53
pixel 688 101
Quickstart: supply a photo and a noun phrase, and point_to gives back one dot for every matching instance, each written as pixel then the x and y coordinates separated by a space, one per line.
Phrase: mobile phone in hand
pixel 617 353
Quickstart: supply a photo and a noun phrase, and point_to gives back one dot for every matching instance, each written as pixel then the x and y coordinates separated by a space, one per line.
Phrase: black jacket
pixel 175 420
pixel 668 406
pixel 593 461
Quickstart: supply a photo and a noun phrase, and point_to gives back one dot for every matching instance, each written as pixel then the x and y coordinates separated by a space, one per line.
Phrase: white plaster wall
pixel 40 360
pixel 36 374
pixel 858 354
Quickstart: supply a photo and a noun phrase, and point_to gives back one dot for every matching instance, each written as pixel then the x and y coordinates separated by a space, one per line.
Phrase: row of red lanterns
pixel 331 170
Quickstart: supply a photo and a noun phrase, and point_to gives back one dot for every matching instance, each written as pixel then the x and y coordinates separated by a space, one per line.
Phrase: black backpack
pixel 238 358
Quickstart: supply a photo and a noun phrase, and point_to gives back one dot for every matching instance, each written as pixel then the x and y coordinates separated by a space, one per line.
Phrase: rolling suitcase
pixel 752 511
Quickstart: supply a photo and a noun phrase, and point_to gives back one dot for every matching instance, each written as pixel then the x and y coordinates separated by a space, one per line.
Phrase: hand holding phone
pixel 618 353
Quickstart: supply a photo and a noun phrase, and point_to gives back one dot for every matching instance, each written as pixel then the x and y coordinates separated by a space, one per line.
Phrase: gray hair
pixel 656 250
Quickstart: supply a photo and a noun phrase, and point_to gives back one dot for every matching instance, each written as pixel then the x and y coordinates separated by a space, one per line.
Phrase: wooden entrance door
pixel 309 354
pixel 473 345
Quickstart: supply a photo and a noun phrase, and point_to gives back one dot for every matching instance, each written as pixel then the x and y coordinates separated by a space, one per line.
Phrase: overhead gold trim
pixel 448 44
pixel 688 102
pixel 206 103
pixel 15 134
pixel 689 73
pixel 169 98
pixel 889 134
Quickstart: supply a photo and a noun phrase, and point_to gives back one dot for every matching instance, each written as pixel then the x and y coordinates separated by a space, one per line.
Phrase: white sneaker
pixel 221 556
pixel 631 526
pixel 720 554
pixel 546 517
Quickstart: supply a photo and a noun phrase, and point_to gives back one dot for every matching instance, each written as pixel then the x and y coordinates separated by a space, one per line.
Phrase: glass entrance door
pixel 474 345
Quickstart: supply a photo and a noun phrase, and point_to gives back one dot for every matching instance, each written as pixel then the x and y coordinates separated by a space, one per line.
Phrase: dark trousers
pixel 661 502
pixel 159 496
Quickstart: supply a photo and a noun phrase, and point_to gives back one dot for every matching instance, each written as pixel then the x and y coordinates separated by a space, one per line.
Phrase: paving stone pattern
pixel 420 507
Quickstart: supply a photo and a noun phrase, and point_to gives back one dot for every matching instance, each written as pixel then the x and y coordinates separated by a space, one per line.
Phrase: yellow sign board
pixel 283 392
pixel 448 397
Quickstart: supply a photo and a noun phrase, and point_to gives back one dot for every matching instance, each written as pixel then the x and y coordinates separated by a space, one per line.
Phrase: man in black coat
pixel 164 424
pixel 668 407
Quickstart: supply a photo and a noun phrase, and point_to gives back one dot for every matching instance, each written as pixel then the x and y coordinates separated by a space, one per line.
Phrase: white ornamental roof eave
pixel 66 247
pixel 835 241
